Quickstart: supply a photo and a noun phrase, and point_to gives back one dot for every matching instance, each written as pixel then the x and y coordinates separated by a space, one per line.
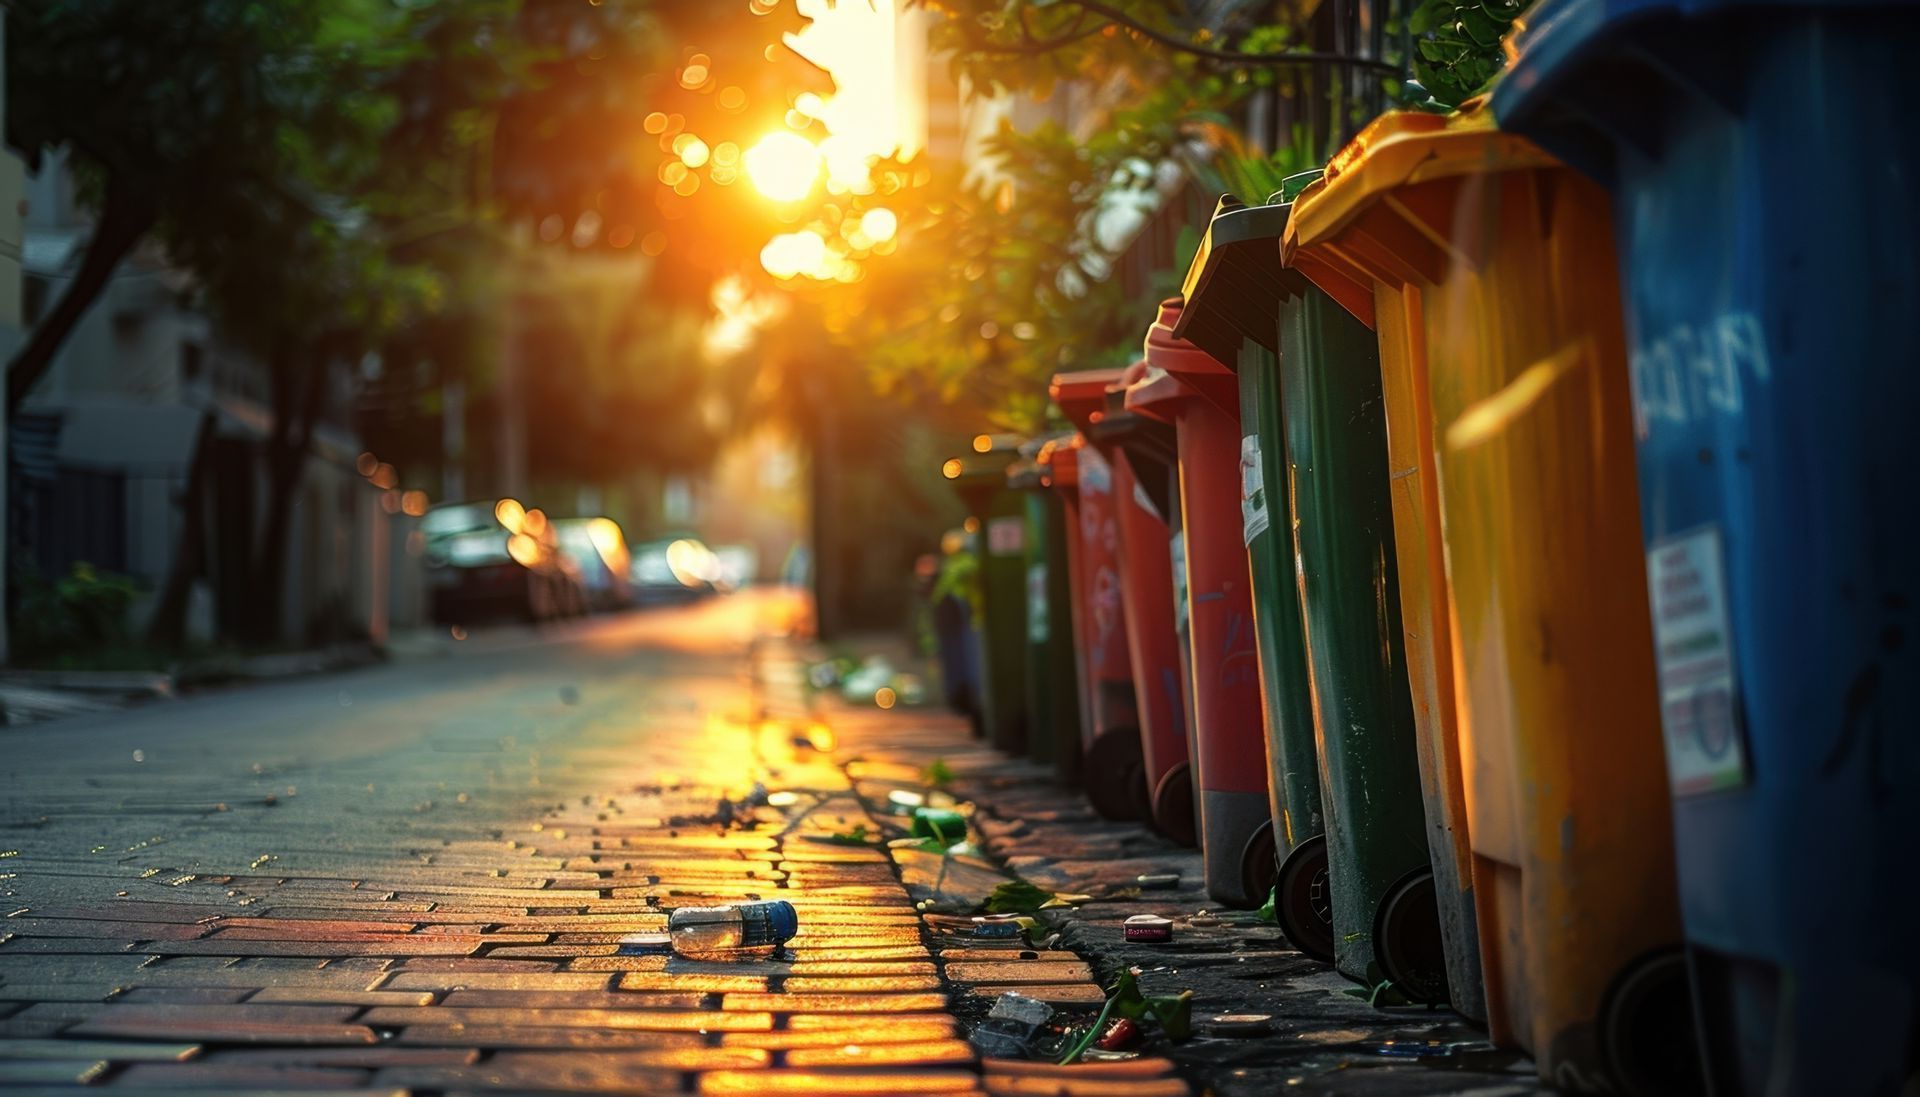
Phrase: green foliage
pixel 938 774
pixel 1017 897
pixel 1125 998
pixel 81 613
pixel 959 577
pixel 1458 45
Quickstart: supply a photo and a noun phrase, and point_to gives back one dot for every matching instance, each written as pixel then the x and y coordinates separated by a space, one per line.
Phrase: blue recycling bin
pixel 1765 165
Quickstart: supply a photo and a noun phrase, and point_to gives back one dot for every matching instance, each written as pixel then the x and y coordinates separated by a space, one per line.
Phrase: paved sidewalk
pixel 379 882
pixel 1319 1034
pixel 413 879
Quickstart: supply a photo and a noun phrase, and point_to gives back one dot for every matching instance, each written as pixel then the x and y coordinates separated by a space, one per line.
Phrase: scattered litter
pixel 1173 1013
pixel 733 929
pixel 645 944
pixel 782 799
pixel 1157 881
pixel 1204 920
pixel 905 802
pixel 872 676
pixel 1239 1024
pixel 1147 929
pixel 943 825
pixel 997 926
pixel 1010 1027
pixel 1415 1049
pixel 1101 1055
pixel 1120 1036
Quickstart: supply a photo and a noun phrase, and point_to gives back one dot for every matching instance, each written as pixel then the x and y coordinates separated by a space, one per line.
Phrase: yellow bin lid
pixel 1390 163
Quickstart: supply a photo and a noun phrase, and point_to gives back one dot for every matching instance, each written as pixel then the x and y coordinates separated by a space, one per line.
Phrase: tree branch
pixel 1118 18
pixel 123 221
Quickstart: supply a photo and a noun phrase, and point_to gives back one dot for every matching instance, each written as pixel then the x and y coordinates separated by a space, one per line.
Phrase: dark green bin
pixel 999 520
pixel 1312 372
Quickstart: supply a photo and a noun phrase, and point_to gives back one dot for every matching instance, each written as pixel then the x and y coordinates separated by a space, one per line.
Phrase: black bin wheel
pixel 1406 938
pixel 1260 864
pixel 1115 775
pixel 1172 814
pixel 1304 900
pixel 1647 1034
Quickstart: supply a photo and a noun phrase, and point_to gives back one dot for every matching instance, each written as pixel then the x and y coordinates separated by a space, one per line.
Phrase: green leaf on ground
pixel 1017 897
pixel 938 775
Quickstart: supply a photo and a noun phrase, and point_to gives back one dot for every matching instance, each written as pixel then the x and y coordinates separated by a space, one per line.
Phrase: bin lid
pixel 1407 163
pixel 1082 394
pixel 1589 77
pixel 1193 369
pixel 978 475
pixel 1235 284
pixel 1025 474
pixel 1059 462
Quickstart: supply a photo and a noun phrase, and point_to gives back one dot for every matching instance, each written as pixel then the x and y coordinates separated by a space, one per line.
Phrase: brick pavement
pixel 213 925
pixel 440 914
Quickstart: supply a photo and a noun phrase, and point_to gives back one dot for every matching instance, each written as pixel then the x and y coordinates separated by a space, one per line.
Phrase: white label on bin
pixel 1006 536
pixel 1037 623
pixel 1142 500
pixel 1095 474
pixel 1253 489
pixel 1693 642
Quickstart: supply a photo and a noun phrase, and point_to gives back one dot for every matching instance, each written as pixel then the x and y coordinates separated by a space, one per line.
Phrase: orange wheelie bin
pixel 1486 268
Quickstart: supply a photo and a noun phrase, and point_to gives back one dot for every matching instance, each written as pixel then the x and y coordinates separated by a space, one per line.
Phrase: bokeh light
pixel 783 166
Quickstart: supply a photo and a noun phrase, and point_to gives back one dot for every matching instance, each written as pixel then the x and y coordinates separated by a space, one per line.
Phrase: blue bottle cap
pixel 782 921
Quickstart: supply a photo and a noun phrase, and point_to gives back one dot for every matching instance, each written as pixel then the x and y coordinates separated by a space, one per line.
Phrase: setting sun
pixel 783 166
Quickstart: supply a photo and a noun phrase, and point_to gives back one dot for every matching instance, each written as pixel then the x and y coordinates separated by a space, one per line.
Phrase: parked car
pixel 675 569
pixel 600 549
pixel 486 560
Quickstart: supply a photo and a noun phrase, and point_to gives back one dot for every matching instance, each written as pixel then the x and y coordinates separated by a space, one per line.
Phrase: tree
pixel 1004 277
pixel 166 113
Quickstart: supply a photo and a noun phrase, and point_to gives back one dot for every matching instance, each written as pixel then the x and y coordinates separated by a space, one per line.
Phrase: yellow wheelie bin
pixel 1487 270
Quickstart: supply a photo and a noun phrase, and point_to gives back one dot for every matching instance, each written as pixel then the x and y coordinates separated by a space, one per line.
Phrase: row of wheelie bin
pixel 1498 555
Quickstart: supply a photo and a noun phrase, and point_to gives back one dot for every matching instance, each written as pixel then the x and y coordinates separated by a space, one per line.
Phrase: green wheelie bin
pixel 1295 351
pixel 997 514
pixel 1053 696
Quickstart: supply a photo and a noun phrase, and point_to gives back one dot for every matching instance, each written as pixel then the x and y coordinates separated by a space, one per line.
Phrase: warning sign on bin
pixel 1006 536
pixel 1693 637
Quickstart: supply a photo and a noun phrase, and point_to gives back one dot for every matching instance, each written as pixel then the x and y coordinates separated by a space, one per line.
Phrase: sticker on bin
pixel 1037 624
pixel 1693 645
pixel 1253 489
pixel 1095 474
pixel 1142 500
pixel 1007 536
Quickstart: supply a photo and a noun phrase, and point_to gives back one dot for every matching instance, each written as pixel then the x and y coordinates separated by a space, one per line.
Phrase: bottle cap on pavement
pixel 782 921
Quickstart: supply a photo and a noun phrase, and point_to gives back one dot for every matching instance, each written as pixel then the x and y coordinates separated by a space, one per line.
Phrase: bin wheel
pixel 1647 1034
pixel 1260 864
pixel 1406 938
pixel 1173 806
pixel 1303 902
pixel 1115 775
